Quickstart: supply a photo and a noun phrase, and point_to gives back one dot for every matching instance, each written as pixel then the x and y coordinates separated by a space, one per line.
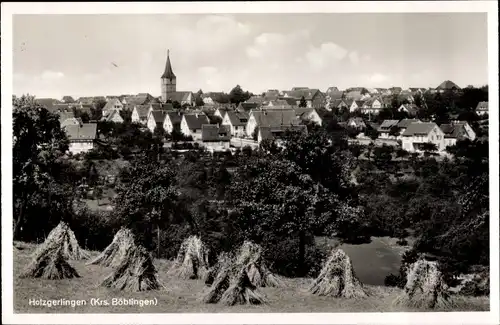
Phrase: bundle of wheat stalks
pixel 337 278
pixel 191 261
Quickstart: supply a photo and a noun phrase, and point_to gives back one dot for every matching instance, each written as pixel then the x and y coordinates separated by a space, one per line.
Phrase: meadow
pixel 372 262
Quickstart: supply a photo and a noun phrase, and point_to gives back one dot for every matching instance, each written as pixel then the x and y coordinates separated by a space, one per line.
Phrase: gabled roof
pixel 359 102
pixel 482 106
pixel 179 96
pixel 110 105
pixel 388 124
pixel 275 118
pixel 65 115
pixel 215 133
pixel 308 94
pixel 454 131
pixel 142 111
pixel 411 108
pixel 274 132
pixel 195 121
pixel 85 131
pixel 159 116
pixel 447 84
pixel 358 121
pixel 168 73
pixel 419 129
pixel 111 115
pixel 338 102
pixel 403 124
pixel 48 103
pixel 237 118
pixel 175 117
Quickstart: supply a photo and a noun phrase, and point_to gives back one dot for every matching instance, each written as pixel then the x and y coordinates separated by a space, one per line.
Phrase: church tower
pixel 168 80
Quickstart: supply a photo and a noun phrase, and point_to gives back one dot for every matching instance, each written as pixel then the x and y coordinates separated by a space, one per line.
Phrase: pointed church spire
pixel 168 74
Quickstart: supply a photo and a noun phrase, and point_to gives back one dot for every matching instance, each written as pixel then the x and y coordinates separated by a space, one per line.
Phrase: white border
pixel 8 9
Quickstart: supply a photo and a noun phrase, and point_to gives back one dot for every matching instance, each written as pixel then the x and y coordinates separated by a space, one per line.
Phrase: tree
pixel 383 155
pixel 126 115
pixel 146 198
pixel 199 101
pixel 274 200
pixel 176 104
pixel 68 99
pixel 429 148
pixel 372 133
pixel 237 95
pixel 214 119
pixel 38 185
pixel 303 102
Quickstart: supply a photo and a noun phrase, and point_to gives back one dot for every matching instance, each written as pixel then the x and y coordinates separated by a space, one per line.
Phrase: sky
pixel 94 55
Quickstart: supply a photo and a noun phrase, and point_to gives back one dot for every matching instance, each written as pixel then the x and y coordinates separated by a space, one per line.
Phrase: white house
pixel 308 114
pixel 384 129
pixel 81 137
pixel 156 119
pixel 191 125
pixel 112 105
pixel 482 108
pixel 270 118
pixel 140 114
pixel 410 109
pixel 237 122
pixel 113 116
pixel 215 137
pixel 457 131
pixel 354 105
pixel 417 134
pixel 172 121
pixel 372 106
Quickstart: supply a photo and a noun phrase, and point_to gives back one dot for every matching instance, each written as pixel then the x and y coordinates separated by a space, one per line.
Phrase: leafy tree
pixel 146 199
pixel 383 155
pixel 214 119
pixel 176 104
pixel 199 101
pixel 275 200
pixel 38 169
pixel 126 115
pixel 255 134
pixel 237 95
pixel 372 133
pixel 303 102
pixel 429 147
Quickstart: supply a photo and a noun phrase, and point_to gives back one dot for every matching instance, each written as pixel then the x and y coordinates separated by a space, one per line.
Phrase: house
pixel 237 122
pixel 270 118
pixel 383 91
pixel 417 134
pixel 112 116
pixel 282 103
pixel 221 111
pixel 112 105
pixel 86 100
pixel 372 106
pixel 212 98
pixel 356 123
pixel 215 137
pixel 354 105
pixel 140 114
pixel 276 132
pixel 156 119
pixel 405 97
pixel 403 125
pixel 355 94
pixel 410 109
pixel 314 97
pixel 191 125
pixel 338 104
pixel 385 129
pixel 81 137
pixel 482 108
pixel 372 91
pixel 447 85
pixel 172 122
pixel 182 97
pixel 457 131
pixel 68 118
pixel 308 114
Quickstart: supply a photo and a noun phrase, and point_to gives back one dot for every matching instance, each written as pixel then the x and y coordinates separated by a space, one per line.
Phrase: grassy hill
pixel 183 296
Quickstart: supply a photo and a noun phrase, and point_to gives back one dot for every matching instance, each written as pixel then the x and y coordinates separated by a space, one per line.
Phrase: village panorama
pixel 358 199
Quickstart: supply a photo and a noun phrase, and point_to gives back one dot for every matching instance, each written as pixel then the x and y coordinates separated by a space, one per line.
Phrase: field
pixel 372 263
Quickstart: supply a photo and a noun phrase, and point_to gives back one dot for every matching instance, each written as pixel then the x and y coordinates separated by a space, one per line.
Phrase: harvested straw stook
pixel 425 287
pixel 250 258
pixel 222 277
pixel 242 291
pixel 191 261
pixel 337 278
pixel 62 236
pixel 113 254
pixel 224 260
pixel 50 264
pixel 136 272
